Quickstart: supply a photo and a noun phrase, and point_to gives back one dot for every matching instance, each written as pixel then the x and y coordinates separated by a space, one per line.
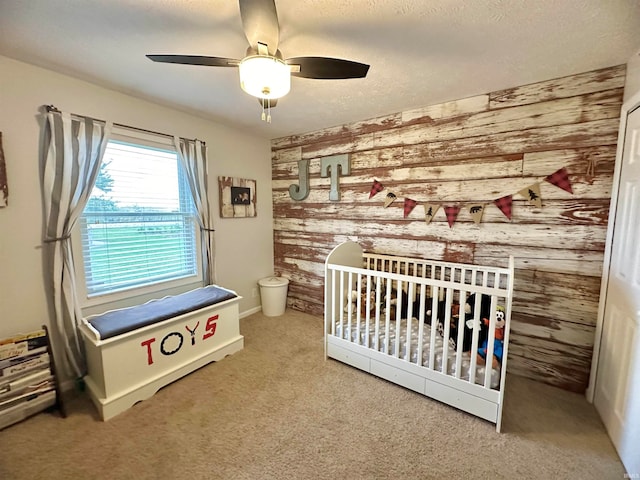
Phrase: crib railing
pixel 379 305
pixel 466 274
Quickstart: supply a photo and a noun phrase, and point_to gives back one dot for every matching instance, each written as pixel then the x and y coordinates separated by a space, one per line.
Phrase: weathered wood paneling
pixel 583 83
pixel 472 150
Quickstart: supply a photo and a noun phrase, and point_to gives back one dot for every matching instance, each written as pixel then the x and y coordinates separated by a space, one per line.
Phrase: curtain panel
pixel 72 153
pixel 193 155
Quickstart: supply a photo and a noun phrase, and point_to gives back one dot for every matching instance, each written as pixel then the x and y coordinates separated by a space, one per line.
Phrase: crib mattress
pixel 367 338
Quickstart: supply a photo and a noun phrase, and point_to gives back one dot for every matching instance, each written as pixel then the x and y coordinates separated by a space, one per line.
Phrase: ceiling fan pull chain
pixel 269 115
pixel 263 114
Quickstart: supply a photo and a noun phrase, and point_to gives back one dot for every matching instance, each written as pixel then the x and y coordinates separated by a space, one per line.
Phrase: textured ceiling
pixel 421 52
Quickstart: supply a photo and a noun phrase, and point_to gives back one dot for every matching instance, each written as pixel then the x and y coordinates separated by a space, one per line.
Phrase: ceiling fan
pixel 264 73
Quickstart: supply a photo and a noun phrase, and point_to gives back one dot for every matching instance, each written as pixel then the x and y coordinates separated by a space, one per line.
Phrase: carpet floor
pixel 278 410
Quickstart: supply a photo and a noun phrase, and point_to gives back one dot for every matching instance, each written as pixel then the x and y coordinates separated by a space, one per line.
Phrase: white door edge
pixel 629 106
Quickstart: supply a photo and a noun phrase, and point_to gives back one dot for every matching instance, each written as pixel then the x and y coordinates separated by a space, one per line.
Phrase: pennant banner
pixel 560 179
pixel 391 197
pixel 452 214
pixel 532 193
pixel 409 205
pixel 476 212
pixel 430 212
pixel 504 204
pixel 376 188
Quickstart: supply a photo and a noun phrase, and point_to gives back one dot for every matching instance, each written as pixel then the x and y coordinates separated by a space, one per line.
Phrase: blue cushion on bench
pixel 117 322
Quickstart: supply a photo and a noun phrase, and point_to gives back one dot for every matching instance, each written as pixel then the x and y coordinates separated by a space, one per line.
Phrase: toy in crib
pixel 393 302
pixel 403 298
pixel 353 300
pixel 469 310
pixel 483 333
pixel 498 342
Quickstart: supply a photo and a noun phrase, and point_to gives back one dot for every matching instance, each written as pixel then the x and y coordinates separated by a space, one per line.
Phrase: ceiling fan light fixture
pixel 264 76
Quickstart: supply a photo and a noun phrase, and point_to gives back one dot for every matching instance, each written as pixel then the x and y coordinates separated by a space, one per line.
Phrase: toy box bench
pixel 133 352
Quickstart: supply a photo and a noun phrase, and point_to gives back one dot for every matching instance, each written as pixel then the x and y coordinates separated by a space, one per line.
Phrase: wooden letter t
pixel 333 163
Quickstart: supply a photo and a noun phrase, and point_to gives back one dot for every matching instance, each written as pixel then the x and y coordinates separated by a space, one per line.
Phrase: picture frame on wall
pixel 237 197
pixel 240 196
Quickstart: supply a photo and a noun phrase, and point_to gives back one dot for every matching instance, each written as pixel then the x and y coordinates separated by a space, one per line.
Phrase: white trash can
pixel 273 292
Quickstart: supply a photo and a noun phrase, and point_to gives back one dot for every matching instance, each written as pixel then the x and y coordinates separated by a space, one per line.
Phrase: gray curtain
pixel 193 155
pixel 72 153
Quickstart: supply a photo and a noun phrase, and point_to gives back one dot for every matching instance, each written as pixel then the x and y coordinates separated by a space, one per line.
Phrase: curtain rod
pixel 52 108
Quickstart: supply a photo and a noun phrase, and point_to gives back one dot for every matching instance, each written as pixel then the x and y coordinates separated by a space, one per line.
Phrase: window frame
pixel 164 287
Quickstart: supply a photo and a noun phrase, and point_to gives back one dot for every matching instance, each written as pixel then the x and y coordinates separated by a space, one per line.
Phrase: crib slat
pixel 474 339
pixel 333 302
pixel 460 339
pixel 398 318
pixel 434 327
pixel 387 317
pixel 358 308
pixel 490 339
pixel 341 298
pixel 411 293
pixel 350 307
pixel 421 324
pixel 368 314
pixel 378 306
pixel 447 330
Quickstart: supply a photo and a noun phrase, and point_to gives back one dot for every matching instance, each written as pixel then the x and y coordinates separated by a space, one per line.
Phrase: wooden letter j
pixel 301 192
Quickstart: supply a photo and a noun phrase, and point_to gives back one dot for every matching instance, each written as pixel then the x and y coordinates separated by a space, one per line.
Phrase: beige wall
pixel 244 246
pixel 632 82
pixel 473 150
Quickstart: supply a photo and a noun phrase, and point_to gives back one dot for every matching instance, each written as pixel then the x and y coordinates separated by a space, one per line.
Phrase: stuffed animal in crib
pixel 498 342
pixel 439 314
pixel 353 300
pixel 400 300
pixel 469 315
pixel 397 300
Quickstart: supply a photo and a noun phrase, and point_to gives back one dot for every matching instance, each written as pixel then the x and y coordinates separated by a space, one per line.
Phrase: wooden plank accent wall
pixel 473 150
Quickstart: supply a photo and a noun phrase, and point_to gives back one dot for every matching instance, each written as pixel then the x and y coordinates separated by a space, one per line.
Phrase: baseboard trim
pixel 251 311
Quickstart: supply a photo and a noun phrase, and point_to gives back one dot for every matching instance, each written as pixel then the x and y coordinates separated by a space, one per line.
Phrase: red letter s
pixel 210 327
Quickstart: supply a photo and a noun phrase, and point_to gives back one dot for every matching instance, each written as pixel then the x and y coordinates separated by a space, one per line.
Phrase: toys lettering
pixel 173 342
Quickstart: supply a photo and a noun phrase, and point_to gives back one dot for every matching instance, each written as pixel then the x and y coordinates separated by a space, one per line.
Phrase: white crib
pixel 395 317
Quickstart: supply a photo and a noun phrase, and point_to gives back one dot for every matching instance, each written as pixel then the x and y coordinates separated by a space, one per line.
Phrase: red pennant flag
pixel 560 179
pixel 377 187
pixel 408 206
pixel 504 204
pixel 452 214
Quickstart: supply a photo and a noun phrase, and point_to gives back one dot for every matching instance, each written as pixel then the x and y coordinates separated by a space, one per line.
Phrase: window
pixel 139 226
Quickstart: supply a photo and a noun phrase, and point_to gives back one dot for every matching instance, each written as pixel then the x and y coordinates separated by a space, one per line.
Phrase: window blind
pixel 138 227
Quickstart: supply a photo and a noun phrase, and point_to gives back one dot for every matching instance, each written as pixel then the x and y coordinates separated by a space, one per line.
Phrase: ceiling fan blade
pixel 327 68
pixel 195 60
pixel 260 23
